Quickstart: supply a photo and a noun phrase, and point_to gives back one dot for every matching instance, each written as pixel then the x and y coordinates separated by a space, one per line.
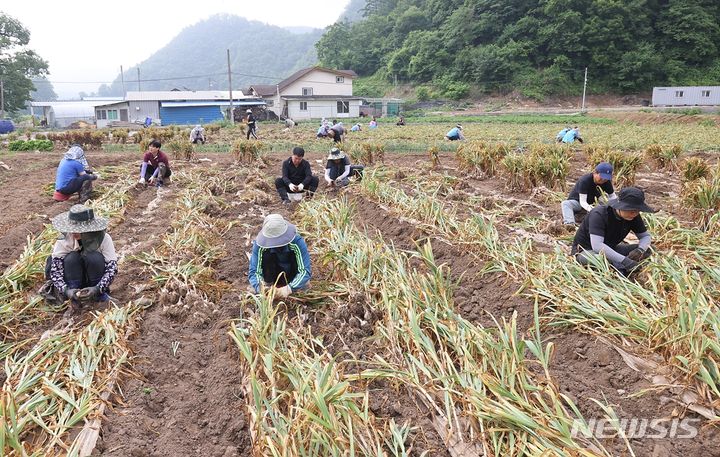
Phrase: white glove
pixel 300 187
pixel 293 188
pixel 329 181
pixel 141 181
pixel 284 292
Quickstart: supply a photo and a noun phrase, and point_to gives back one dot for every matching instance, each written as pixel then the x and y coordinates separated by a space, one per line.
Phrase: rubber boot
pixel 85 192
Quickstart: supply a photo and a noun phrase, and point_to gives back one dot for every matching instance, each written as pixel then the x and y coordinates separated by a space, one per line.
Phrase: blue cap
pixel 605 170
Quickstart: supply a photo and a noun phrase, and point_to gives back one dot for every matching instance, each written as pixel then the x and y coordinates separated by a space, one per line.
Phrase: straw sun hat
pixel 80 219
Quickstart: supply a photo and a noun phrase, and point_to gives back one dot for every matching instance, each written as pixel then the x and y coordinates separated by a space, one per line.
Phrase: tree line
pixel 539 47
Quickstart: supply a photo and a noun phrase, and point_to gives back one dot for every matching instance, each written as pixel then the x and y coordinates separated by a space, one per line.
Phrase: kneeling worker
pixel 83 262
pixel 280 258
pixel 586 192
pixel 338 169
pixel 604 230
pixel 296 176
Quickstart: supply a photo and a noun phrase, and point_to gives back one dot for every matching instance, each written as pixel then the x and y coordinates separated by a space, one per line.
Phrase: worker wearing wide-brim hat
pixel 83 262
pixel 338 169
pixel 604 230
pixel 280 258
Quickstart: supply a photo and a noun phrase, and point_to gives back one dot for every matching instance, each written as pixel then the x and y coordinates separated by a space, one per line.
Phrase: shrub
pixel 422 93
pixel 693 169
pixel 703 197
pixel 31 145
pixel 181 148
pixel 41 136
pixel 247 151
pixel 434 154
pixel 120 135
pixel 664 156
pixel 541 164
pixel 482 156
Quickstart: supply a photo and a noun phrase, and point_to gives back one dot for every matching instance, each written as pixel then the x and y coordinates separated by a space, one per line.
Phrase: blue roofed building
pixel 173 107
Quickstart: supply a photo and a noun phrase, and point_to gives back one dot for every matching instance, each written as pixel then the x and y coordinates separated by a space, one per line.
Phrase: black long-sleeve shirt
pixel 296 175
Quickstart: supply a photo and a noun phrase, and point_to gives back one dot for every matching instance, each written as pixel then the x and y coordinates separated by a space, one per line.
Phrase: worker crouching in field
pixel 587 192
pixel 155 168
pixel 83 262
pixel 296 176
pixel 197 135
pixel 455 133
pixel 74 176
pixel 604 230
pixel 280 258
pixel 572 135
pixel 338 169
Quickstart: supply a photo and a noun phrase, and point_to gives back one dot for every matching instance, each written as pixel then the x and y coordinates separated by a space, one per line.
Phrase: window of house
pixel 679 93
pixel 307 91
pixel 303 106
pixel 101 114
pixel 112 114
pixel 706 93
pixel 343 107
pixel 339 79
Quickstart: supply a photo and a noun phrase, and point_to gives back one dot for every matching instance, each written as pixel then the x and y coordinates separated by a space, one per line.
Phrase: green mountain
pixel 354 11
pixel 536 46
pixel 196 59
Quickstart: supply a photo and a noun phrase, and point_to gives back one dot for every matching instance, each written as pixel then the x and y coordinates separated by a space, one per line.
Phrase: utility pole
pixel 138 69
pixel 2 99
pixel 582 109
pixel 122 78
pixel 232 114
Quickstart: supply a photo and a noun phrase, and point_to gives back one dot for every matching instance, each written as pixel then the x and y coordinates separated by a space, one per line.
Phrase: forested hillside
pixel 540 47
pixel 256 50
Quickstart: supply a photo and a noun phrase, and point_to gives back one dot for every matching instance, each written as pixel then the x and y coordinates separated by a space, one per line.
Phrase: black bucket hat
pixel 631 199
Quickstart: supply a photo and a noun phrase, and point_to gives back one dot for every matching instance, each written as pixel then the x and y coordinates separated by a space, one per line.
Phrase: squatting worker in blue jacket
pixel 604 230
pixel 280 258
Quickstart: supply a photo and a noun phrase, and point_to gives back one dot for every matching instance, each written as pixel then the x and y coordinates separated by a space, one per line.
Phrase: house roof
pixel 212 103
pixel 320 97
pixel 300 73
pixel 171 95
pixel 265 90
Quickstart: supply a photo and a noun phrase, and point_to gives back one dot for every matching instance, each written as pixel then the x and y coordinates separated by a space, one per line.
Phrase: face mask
pixel 91 240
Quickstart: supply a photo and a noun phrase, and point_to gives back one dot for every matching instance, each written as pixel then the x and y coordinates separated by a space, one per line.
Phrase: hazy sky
pixel 89 40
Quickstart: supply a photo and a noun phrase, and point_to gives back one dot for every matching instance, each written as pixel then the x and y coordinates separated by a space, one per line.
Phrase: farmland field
pixel 445 316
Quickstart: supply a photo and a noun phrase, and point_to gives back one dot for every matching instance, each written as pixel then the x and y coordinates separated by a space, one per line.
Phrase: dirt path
pixel 186 401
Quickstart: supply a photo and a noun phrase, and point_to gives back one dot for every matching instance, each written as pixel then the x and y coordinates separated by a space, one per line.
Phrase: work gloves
pixel 284 291
pixel 70 293
pixel 329 181
pixel 629 264
pixel 300 187
pixel 141 181
pixel 293 188
pixel 89 294
pixel 636 254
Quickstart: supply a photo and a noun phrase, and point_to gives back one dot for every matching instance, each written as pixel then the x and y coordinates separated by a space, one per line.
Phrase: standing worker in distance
pixel 251 124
